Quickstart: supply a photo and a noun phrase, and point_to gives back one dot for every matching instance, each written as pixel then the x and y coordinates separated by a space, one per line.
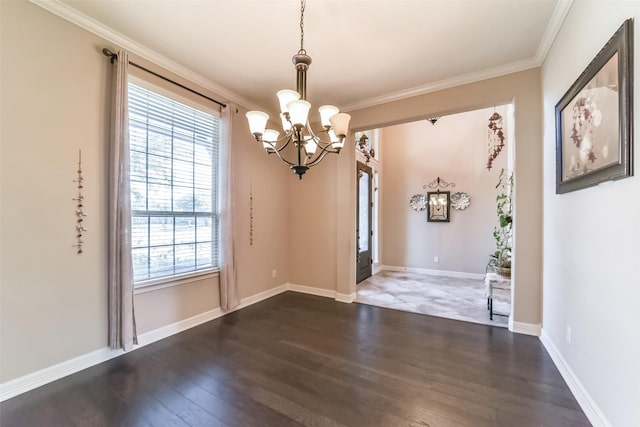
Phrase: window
pixel 174 180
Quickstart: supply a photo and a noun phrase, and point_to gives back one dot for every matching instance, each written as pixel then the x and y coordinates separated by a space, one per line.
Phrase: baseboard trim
pixel 327 293
pixel 459 274
pixel 346 298
pixel 377 268
pixel 524 328
pixel 44 376
pixel 586 402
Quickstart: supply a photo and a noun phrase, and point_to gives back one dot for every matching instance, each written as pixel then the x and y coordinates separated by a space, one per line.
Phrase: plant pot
pixel 504 272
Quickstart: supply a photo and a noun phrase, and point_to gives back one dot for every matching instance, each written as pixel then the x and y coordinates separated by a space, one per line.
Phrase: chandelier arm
pixel 324 145
pixel 321 156
pixel 328 149
pixel 288 138
pixel 277 153
pixel 316 137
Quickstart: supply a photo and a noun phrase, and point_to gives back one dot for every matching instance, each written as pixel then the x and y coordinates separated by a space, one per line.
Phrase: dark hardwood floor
pixel 302 360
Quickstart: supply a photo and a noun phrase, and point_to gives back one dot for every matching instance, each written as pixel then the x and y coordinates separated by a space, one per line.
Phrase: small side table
pixel 498 287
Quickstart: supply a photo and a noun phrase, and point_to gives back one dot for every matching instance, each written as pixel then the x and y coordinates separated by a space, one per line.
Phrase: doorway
pixel 364 231
pixel 426 266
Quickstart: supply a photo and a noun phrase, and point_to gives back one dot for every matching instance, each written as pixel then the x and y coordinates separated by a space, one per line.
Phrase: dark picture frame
pixel 594 119
pixel 438 206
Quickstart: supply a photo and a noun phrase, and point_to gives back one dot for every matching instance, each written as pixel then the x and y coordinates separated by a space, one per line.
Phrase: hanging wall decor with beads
pixel 250 214
pixel 80 215
pixel 496 138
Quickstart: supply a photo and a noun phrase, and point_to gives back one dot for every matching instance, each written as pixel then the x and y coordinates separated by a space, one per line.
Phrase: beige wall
pixel 312 214
pixel 591 236
pixel 523 89
pixel 455 149
pixel 55 85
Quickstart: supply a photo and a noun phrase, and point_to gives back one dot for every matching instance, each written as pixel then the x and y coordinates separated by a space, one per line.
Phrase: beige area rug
pixel 450 297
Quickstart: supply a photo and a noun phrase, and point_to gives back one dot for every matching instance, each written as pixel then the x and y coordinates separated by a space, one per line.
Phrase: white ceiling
pixel 364 52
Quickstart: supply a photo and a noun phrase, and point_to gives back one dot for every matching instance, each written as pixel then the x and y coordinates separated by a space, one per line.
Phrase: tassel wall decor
pixel 80 215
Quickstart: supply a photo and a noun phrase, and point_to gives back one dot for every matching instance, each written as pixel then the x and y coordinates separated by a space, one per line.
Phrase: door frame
pixel 362 167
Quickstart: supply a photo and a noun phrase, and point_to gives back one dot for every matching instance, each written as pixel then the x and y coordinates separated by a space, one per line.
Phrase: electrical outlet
pixel 569 334
pixel 436 259
pixel 274 273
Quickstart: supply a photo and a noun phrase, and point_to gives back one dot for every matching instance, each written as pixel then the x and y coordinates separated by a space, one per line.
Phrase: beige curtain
pixel 229 296
pixel 122 323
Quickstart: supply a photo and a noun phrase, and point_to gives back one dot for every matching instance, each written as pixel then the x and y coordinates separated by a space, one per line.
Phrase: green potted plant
pixel 501 258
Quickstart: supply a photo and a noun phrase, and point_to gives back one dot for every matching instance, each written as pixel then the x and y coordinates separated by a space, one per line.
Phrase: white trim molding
pixel 83 21
pixel 39 378
pixel 524 328
pixel 377 268
pixel 321 292
pixel 586 402
pixel 44 376
pixel 346 298
pixel 553 27
pixel 36 379
pixel 550 33
pixel 191 322
pixel 57 7
pixel 489 73
pixel 459 274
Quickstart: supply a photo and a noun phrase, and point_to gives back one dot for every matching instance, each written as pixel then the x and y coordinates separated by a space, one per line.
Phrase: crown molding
pixel 549 35
pixel 553 27
pixel 71 15
pixel 477 76
pixel 83 21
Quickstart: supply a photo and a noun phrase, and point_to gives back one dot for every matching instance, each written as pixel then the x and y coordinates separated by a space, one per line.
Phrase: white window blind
pixel 174 181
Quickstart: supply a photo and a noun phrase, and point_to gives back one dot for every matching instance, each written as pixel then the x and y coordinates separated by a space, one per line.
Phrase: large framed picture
pixel 594 139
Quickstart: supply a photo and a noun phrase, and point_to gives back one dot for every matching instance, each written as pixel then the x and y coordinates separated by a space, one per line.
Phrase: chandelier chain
pixel 303 4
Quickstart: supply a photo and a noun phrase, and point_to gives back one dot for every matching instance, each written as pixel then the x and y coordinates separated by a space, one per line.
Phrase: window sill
pixel 168 282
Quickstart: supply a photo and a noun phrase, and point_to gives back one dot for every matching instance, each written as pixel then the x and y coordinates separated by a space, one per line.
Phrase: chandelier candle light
pixel 294 113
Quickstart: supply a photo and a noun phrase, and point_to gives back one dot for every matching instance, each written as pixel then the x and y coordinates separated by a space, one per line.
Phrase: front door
pixel 363 225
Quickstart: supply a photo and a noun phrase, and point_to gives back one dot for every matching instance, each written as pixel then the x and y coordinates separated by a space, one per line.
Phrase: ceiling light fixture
pixel 310 149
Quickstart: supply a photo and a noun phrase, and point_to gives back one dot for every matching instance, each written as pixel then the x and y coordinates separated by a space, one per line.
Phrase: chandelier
pixel 309 147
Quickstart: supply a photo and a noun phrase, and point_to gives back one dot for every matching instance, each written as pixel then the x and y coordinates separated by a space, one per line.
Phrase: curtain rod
pixel 113 57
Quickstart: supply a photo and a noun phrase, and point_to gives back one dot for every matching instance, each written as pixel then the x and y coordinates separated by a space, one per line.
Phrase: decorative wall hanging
pixel 364 144
pixel 460 201
pixel 438 201
pixel 80 215
pixel 438 183
pixel 495 138
pixel 418 202
pixel 594 141
pixel 438 206
pixel 250 214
